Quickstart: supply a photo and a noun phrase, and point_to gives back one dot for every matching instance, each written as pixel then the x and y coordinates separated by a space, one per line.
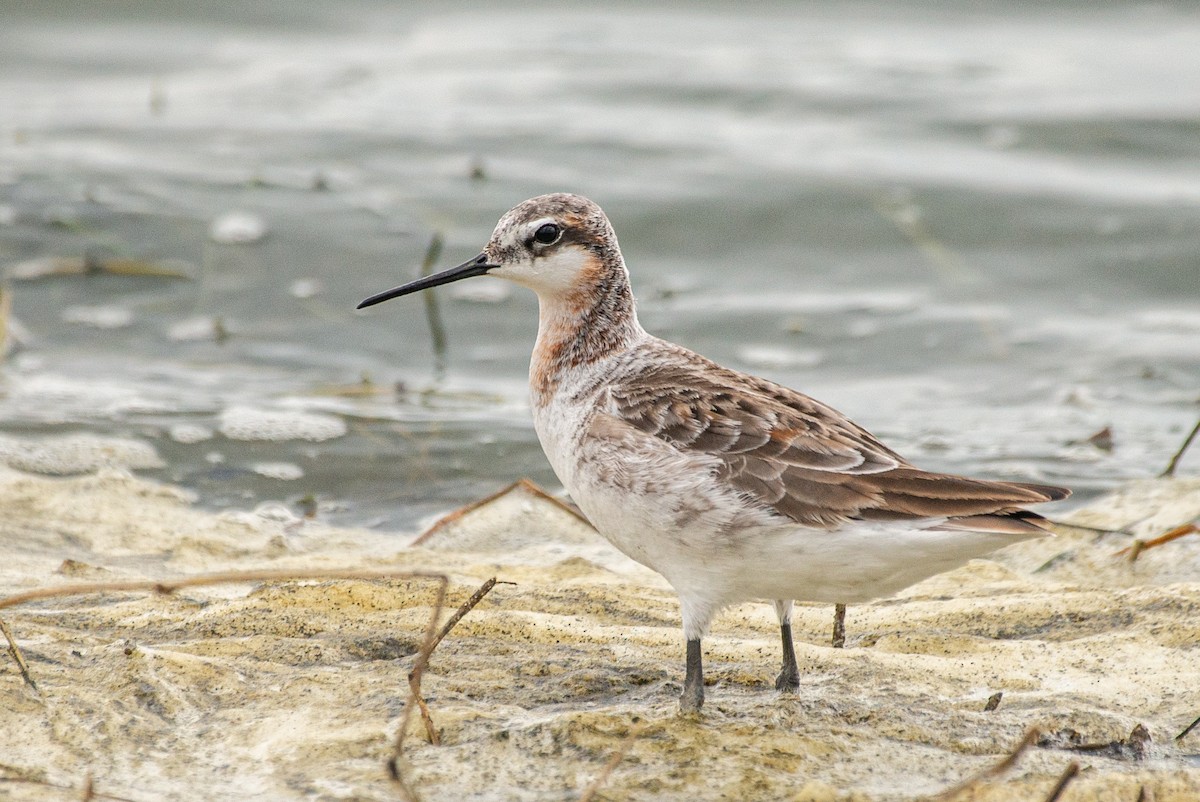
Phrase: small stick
pixel 393 763
pixel 414 687
pixel 15 651
pixel 1063 782
pixel 414 676
pixel 224 577
pixel 524 484
pixel 1100 530
pixel 437 331
pixel 88 788
pixel 1135 549
pixel 1010 760
pixel 1170 470
pixel 839 626
pixel 466 607
pixel 1141 545
pixel 905 216
pixel 626 745
pixel 1188 729
pixel 270 576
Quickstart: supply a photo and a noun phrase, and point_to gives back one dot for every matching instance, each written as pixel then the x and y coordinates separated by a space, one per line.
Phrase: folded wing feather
pixel 805 460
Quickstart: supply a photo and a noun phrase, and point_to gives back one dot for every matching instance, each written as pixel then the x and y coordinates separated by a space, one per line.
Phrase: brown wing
pixel 801 458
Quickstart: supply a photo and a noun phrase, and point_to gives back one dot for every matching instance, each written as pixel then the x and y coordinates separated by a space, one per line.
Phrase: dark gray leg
pixel 789 677
pixel 693 684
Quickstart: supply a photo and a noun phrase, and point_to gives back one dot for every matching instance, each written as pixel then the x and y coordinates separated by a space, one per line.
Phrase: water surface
pixel 974 231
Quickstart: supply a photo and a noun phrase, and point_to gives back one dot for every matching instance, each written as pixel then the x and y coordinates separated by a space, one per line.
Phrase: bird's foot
pixel 692 699
pixel 788 680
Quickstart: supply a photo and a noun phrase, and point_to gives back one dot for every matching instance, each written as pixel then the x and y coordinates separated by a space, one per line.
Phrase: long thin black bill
pixel 475 267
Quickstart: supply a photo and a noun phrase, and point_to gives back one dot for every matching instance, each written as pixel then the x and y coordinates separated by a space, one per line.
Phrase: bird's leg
pixel 693 684
pixel 789 677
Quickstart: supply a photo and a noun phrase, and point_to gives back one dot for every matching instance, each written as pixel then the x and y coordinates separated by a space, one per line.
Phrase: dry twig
pixel 1010 760
pixel 427 644
pixel 168 586
pixel 1063 781
pixel 414 676
pixel 228 577
pixel 524 484
pixel 1099 530
pixel 88 789
pixel 15 651
pixel 1187 442
pixel 595 785
pixel 839 626
pixel 437 330
pixel 1188 729
pixel 1139 546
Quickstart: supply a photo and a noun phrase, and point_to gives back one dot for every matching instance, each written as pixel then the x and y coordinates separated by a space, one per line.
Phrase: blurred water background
pixel 973 228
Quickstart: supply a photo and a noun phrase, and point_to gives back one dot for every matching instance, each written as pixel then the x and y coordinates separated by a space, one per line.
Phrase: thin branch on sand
pixel 15 651
pixel 414 676
pixel 167 586
pixel 1188 729
pixel 839 626
pixel 1187 442
pixel 1069 774
pixel 1135 550
pixel 1010 760
pixel 524 484
pixel 231 577
pixel 87 790
pixel 595 785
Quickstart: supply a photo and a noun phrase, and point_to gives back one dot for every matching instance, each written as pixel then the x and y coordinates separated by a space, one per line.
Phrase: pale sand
pixel 295 690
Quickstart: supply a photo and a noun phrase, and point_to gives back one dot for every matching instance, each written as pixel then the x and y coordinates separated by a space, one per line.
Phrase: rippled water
pixel 976 232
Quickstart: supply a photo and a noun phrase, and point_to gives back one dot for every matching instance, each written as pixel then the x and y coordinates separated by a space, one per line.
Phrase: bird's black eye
pixel 547 233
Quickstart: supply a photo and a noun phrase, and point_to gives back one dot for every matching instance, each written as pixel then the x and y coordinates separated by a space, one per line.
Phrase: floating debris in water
pixel 158 98
pixel 365 388
pixel 100 317
pixel 484 291
pixel 1102 439
pixel 199 329
pixel 53 266
pixel 76 453
pixel 190 433
pixel 251 423
pixel 237 228
pixel 268 517
pixel 308 506
pixel 283 471
pixel 306 288
pixel 13 335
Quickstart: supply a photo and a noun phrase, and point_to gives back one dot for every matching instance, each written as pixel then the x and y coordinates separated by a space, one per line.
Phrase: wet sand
pixel 295 689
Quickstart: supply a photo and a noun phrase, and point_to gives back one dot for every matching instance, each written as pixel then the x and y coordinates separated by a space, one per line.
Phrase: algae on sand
pixel 294 690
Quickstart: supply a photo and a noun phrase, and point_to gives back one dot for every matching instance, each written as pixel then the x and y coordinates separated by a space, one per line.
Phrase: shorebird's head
pixel 557 245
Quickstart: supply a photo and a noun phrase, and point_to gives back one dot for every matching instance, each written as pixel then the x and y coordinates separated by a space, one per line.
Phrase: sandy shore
pixel 296 689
